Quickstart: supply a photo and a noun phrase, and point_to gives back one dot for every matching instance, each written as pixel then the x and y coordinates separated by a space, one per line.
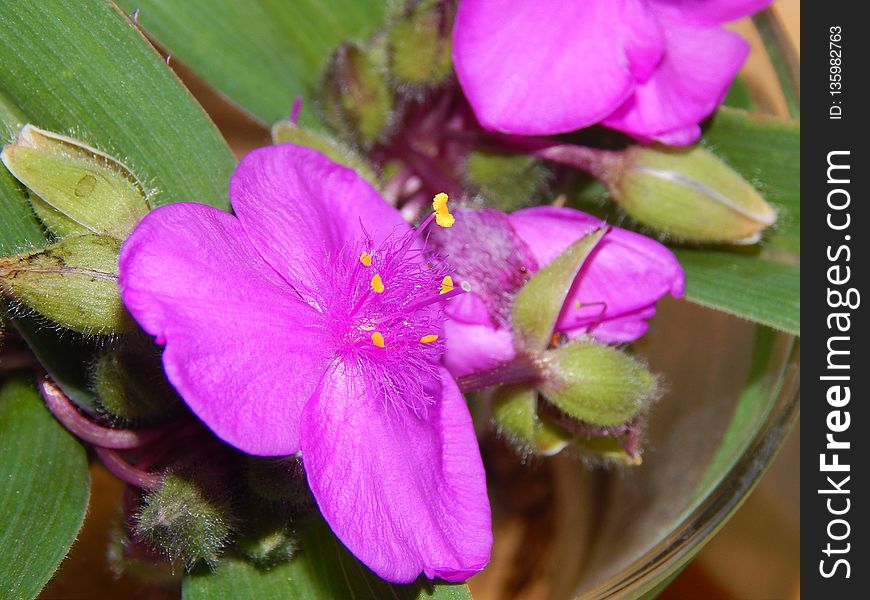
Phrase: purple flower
pixel 653 69
pixel 312 321
pixel 612 297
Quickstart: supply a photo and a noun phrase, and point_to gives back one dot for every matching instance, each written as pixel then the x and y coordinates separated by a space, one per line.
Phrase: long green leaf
pixel 81 67
pixel 322 570
pixel 259 53
pixel 44 489
pixel 754 288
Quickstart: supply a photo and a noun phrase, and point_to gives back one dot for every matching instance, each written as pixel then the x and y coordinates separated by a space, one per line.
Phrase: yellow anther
pixel 366 259
pixel 428 339
pixel 442 213
pixel 447 284
pixel 378 339
pixel 377 284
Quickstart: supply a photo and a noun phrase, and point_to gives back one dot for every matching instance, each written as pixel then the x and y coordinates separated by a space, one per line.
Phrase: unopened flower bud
pixel 514 410
pixel 690 194
pixel 594 383
pixel 506 181
pixel 73 283
pixel 357 97
pixel 267 537
pixel 76 189
pixel 420 43
pixel 130 384
pixel 288 131
pixel 188 516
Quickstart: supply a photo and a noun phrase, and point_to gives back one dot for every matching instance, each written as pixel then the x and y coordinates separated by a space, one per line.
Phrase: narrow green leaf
pixel 66 357
pixel 44 488
pixel 260 53
pixel 739 95
pixel 539 302
pixel 747 286
pixel 323 570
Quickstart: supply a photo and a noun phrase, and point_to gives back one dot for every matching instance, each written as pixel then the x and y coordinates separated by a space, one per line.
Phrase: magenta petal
pixel 626 274
pixel 476 347
pixel 405 493
pixel 190 276
pixel 542 66
pixel 618 330
pixel 715 11
pixel 643 38
pixel 297 206
pixel 700 63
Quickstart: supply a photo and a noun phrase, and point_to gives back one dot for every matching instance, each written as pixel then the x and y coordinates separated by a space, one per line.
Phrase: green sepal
pixel 539 302
pixel 76 189
pixel 595 383
pixel 73 283
pixel 514 410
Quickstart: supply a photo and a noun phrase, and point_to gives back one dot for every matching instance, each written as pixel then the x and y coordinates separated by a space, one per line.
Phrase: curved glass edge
pixel 647 576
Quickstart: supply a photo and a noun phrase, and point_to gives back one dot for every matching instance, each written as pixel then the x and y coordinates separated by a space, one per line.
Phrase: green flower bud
pixel 73 282
pixel 506 181
pixel 187 517
pixel 690 194
pixel 130 384
pixel 595 383
pixel 357 97
pixel 514 411
pixel 287 131
pixel 420 43
pixel 75 189
pixel 267 537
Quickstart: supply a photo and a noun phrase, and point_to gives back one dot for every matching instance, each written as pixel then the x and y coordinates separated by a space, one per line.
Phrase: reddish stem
pixel 126 472
pixel 69 416
pixel 519 370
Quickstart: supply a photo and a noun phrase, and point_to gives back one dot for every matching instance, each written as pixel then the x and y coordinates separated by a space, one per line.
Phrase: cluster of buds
pixel 189 496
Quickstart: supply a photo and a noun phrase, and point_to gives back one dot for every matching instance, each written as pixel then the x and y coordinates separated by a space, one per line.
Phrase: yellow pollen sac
pixel 428 339
pixel 366 259
pixel 378 339
pixel 447 284
pixel 377 284
pixel 442 213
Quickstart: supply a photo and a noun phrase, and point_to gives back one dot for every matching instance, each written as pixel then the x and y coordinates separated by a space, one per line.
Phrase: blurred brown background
pixel 754 557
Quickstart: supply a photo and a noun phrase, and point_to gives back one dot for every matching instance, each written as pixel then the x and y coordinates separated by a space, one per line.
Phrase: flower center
pixel 385 308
